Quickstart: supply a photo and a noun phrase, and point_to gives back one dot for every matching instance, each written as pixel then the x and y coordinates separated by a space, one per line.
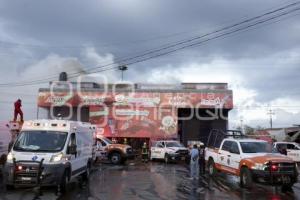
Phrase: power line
pixel 102 68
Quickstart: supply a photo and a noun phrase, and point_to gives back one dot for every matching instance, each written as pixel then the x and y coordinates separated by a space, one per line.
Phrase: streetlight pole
pixel 271 113
pixel 123 68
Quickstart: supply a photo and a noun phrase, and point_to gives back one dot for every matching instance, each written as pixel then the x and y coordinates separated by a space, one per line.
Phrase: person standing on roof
pixel 18 110
pixel 194 163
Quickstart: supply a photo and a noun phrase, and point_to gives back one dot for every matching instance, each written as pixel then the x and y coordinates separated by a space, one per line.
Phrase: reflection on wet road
pixel 153 181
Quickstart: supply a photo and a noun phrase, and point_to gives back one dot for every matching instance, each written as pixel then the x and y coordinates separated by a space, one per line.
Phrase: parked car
pixel 168 150
pixel 50 152
pixel 253 161
pixel 116 153
pixel 290 149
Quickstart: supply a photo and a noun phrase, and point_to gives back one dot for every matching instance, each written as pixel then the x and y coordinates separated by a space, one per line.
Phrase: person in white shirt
pixel 194 163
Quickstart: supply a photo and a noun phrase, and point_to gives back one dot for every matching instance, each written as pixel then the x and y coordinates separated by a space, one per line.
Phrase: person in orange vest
pixel 18 110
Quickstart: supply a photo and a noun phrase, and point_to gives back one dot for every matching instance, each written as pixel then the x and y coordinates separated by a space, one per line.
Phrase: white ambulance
pixel 50 152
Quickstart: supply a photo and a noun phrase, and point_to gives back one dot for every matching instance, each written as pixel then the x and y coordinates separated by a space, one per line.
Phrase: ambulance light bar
pixel 46 124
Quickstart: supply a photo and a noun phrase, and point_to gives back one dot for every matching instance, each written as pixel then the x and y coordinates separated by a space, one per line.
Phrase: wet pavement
pixel 152 181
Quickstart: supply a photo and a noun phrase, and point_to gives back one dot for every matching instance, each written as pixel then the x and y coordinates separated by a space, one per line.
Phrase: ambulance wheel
pixel 246 180
pixel 115 158
pixel 211 167
pixel 86 174
pixel 64 182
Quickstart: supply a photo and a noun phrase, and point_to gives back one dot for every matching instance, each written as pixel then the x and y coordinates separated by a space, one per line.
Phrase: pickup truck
pixel 290 149
pixel 253 161
pixel 116 153
pixel 168 150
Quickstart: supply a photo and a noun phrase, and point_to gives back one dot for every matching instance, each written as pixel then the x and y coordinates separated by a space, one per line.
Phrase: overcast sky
pixel 261 65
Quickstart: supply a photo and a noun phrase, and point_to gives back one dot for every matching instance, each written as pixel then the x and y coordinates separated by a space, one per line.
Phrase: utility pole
pixel 123 68
pixel 271 113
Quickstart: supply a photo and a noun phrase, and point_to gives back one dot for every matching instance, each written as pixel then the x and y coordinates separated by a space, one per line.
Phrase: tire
pixel 246 179
pixel 211 167
pixel 167 159
pixel 64 181
pixel 86 174
pixel 115 158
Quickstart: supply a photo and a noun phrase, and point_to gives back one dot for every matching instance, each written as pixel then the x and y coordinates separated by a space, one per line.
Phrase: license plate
pixel 182 158
pixel 26 179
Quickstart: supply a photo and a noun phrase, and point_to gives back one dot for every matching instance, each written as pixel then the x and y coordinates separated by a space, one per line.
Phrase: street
pixel 154 180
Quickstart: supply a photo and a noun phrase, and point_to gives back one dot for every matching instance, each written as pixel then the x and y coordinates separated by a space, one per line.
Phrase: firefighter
pixel 18 110
pixel 145 154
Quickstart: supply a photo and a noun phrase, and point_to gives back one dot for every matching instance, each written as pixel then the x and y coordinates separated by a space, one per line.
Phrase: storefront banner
pixel 147 99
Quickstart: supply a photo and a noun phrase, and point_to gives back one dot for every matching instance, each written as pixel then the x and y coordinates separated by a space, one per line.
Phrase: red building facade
pixel 140 110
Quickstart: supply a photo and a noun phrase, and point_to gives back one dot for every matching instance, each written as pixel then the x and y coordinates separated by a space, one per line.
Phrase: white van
pixel 50 152
pixel 5 138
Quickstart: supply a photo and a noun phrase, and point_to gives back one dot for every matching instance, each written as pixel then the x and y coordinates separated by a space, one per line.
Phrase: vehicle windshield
pixel 173 144
pixel 108 141
pixel 257 147
pixel 40 141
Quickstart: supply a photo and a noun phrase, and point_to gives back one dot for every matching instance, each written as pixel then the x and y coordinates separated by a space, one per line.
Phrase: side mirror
pixel 72 149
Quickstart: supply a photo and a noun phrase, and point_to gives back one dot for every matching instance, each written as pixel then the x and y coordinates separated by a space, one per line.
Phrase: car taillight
pixel 274 167
pixel 19 167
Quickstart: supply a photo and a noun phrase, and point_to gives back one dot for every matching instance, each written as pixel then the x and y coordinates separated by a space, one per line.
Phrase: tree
pixel 249 130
